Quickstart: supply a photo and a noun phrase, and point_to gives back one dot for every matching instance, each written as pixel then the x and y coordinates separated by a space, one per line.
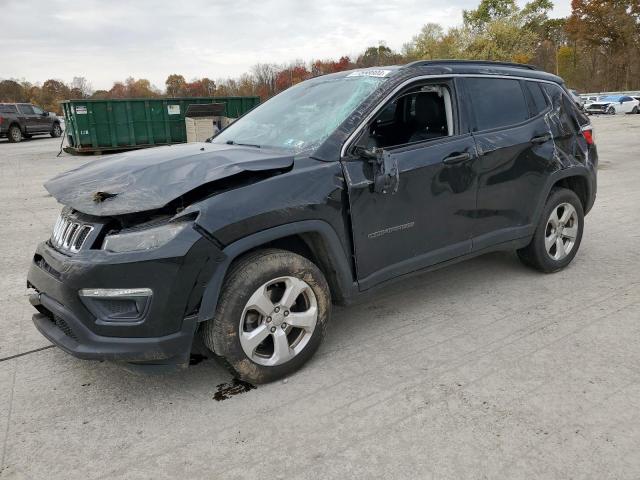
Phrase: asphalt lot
pixel 482 370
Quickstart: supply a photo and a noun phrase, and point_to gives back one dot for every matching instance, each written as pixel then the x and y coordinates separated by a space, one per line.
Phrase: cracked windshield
pixel 303 116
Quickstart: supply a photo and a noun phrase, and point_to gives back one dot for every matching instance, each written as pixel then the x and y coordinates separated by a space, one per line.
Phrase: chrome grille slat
pixel 69 234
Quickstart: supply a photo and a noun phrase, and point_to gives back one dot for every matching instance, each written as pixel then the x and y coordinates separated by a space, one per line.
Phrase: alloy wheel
pixel 278 321
pixel 561 231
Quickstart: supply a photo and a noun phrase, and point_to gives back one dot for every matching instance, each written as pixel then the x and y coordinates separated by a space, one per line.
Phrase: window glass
pixel 388 113
pixel 8 109
pixel 418 114
pixel 303 116
pixel 538 100
pixel 570 118
pixel 37 110
pixel 25 109
pixel 497 102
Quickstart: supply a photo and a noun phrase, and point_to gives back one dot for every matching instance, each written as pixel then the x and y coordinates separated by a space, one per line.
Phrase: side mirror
pixel 387 176
pixel 45 114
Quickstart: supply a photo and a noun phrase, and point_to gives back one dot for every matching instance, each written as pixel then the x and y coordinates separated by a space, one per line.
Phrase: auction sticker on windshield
pixel 370 73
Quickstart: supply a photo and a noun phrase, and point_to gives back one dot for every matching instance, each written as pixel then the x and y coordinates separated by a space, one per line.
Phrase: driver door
pixel 429 218
pixel 43 121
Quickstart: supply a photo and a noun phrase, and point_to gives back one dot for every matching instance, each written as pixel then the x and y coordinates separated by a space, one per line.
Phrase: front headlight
pixel 143 239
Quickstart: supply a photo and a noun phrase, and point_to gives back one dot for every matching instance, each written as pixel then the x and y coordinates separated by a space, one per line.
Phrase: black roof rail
pixel 427 63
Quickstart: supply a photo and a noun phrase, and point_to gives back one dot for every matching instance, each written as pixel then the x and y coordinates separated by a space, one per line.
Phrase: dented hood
pixel 149 179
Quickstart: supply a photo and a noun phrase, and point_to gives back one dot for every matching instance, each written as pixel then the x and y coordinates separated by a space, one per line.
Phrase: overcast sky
pixel 108 40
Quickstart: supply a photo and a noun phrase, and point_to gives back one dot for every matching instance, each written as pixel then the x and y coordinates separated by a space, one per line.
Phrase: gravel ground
pixel 482 370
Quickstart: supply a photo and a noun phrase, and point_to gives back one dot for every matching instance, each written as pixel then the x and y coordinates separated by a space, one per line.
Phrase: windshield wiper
pixel 231 142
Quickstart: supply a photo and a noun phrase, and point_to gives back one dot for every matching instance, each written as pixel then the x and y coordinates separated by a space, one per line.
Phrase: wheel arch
pixel 315 240
pixel 577 179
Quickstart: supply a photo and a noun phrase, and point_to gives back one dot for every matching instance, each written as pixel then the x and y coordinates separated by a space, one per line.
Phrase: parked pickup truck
pixel 23 120
pixel 326 192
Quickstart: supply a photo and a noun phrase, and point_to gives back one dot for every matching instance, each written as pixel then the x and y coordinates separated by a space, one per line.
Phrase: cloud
pixel 107 41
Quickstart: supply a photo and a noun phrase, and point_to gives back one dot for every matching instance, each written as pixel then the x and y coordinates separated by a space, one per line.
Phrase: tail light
pixel 1 119
pixel 587 133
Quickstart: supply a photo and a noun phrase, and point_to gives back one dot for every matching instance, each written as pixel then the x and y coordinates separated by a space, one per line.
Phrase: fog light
pixel 117 305
pixel 116 292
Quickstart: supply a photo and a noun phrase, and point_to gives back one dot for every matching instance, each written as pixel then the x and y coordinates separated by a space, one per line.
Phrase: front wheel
pixel 271 316
pixel 558 235
pixel 56 131
pixel 611 111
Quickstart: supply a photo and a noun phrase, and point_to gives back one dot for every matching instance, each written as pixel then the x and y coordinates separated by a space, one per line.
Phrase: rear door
pixel 43 122
pixel 514 147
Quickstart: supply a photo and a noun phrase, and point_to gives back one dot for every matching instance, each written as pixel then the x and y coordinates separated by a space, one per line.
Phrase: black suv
pixel 23 120
pixel 339 184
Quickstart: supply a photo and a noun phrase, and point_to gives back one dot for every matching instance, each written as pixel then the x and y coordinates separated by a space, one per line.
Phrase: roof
pixel 480 67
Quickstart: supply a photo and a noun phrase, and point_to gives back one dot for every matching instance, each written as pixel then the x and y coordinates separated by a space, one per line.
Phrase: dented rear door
pixel 515 156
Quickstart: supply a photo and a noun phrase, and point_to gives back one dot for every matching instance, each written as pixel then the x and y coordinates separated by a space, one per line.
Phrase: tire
pixel 269 274
pixel 14 134
pixel 56 130
pixel 611 111
pixel 635 110
pixel 561 202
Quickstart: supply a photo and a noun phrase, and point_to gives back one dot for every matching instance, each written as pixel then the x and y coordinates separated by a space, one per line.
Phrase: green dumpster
pixel 93 126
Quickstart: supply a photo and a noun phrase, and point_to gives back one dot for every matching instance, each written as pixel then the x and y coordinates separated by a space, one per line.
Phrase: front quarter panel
pixel 312 190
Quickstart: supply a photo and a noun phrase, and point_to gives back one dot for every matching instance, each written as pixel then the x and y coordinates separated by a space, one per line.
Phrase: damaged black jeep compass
pixel 339 184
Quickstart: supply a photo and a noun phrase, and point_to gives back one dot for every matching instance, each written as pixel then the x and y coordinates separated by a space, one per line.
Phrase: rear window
pixel 497 102
pixel 25 109
pixel 537 100
pixel 8 109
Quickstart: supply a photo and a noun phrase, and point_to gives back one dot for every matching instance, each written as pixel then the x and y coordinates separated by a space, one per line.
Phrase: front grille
pixel 69 235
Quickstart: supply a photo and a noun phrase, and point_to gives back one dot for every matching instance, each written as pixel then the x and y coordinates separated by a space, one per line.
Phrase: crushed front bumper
pixel 163 333
pixel 61 326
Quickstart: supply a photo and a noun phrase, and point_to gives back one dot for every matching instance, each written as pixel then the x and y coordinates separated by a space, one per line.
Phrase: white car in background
pixel 613 104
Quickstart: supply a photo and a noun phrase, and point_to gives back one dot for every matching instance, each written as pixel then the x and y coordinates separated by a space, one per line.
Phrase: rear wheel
pixel 635 110
pixel 56 131
pixel 558 235
pixel 271 316
pixel 14 134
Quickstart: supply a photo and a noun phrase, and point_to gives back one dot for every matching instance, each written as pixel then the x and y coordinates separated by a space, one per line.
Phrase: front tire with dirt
pixel 558 234
pixel 271 316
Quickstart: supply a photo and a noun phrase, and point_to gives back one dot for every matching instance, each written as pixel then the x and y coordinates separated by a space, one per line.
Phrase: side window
pixel 570 117
pixel 420 113
pixel 8 109
pixel 25 109
pixel 388 113
pixel 537 100
pixel 497 102
pixel 37 110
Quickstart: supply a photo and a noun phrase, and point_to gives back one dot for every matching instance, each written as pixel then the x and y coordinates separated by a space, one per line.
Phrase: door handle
pixel 541 139
pixel 458 158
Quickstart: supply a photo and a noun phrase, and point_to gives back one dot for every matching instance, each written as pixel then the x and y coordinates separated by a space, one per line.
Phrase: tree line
pixel 596 48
